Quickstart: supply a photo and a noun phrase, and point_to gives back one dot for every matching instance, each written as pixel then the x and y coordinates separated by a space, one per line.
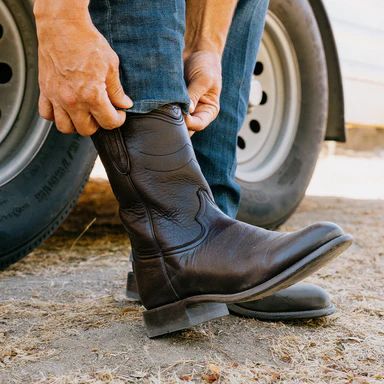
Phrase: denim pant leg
pixel 215 147
pixel 149 40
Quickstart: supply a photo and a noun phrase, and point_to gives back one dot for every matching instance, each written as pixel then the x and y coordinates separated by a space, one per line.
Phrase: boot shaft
pixel 153 171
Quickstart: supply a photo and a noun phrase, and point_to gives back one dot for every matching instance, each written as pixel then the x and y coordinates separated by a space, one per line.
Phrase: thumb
pixel 196 90
pixel 116 92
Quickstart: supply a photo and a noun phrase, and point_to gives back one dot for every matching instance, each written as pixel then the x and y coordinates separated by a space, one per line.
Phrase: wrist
pixel 206 51
pixel 61 9
pixel 207 46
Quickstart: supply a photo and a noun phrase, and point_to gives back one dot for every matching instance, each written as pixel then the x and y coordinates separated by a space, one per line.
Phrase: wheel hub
pixel 12 71
pixel 270 127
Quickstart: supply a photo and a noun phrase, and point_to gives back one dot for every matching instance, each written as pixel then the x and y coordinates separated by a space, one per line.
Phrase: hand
pixel 78 75
pixel 203 76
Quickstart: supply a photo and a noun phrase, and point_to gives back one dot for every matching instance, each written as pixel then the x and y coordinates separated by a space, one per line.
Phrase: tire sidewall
pixel 35 202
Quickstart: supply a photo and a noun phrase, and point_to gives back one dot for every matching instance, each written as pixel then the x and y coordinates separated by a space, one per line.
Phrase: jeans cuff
pixel 146 106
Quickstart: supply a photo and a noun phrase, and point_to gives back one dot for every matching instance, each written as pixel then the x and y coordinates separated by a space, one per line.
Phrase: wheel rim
pixel 20 141
pixel 270 127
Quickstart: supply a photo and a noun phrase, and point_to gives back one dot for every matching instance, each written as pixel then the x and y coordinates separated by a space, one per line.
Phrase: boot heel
pixel 180 315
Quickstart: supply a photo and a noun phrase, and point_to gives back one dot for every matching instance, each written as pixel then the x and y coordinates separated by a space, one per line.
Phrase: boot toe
pixel 300 301
pixel 293 246
pixel 314 236
pixel 298 297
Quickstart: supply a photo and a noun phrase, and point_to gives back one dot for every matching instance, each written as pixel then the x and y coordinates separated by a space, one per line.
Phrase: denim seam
pixel 110 38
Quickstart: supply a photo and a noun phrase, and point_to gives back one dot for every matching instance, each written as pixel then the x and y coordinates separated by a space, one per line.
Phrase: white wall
pixel 358 27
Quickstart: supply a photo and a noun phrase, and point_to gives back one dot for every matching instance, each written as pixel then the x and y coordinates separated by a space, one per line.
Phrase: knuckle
pixel 90 94
pixel 116 91
pixel 62 128
pixel 58 127
pixel 205 80
pixel 91 129
pixel 45 115
pixel 198 128
pixel 93 98
pixel 198 87
pixel 63 123
pixel 112 124
pixel 69 99
pixel 87 132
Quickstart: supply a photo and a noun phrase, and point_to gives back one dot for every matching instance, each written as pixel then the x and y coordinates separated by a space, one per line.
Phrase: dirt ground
pixel 65 319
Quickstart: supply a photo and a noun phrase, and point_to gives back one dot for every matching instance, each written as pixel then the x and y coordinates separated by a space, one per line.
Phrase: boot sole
pixel 198 309
pixel 239 310
pixel 281 316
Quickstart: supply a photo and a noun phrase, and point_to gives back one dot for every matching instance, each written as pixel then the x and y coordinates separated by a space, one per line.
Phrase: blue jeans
pixel 149 40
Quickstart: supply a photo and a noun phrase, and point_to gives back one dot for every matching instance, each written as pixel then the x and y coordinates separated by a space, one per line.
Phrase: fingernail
pixel 128 101
pixel 191 107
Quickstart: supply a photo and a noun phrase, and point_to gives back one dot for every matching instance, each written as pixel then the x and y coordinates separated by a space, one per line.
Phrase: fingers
pixel 196 89
pixel 198 121
pixel 85 124
pixel 63 121
pixel 45 108
pixel 205 103
pixel 80 121
pixel 203 115
pixel 115 91
pixel 84 118
pixel 106 114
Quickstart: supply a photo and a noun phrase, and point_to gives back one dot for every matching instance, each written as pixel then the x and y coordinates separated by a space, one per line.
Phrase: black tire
pixel 36 200
pixel 270 202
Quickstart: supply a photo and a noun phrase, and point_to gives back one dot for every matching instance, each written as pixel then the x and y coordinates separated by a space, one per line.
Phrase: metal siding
pixel 359 33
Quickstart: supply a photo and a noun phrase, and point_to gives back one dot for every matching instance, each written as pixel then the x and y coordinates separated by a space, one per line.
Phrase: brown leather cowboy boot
pixel 190 259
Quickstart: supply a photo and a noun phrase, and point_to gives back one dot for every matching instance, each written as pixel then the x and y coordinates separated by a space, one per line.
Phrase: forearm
pixel 207 25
